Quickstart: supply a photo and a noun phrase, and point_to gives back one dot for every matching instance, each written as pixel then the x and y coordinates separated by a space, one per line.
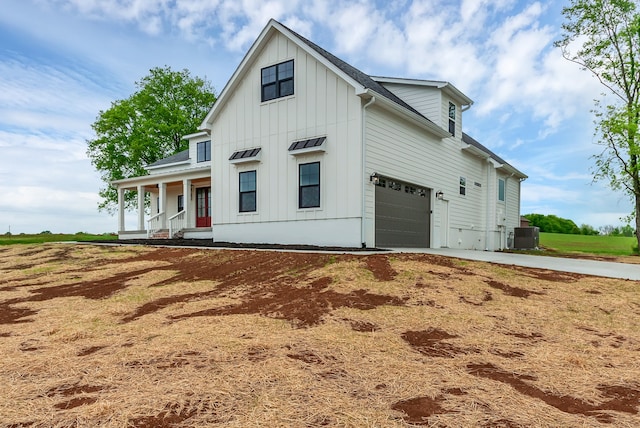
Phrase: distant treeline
pixel 554 224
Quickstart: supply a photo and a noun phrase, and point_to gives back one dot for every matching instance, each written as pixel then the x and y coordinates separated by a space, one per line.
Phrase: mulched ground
pixel 279 286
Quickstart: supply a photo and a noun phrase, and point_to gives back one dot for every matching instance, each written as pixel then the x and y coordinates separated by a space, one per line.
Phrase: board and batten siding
pixel 323 104
pixel 400 150
pixel 426 100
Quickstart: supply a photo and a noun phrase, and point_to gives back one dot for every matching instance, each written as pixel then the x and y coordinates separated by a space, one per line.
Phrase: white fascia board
pixel 195 135
pixel 200 172
pixel 237 75
pixel 407 114
pixel 318 57
pixel 497 165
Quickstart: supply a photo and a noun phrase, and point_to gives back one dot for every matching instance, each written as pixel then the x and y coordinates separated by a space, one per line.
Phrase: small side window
pixel 501 190
pixel 463 186
pixel 180 203
pixel 204 151
pixel 452 119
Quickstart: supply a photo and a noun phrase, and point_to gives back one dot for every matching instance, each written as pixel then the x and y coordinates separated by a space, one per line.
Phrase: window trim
pixel 277 82
pixel 242 193
pixel 502 196
pixel 301 187
pixel 463 186
pixel 452 119
pixel 207 151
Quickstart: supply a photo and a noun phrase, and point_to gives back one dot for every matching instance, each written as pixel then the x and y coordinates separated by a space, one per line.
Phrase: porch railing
pixel 154 224
pixel 177 223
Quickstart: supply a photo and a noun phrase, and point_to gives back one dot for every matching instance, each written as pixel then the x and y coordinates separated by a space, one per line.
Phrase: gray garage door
pixel 402 214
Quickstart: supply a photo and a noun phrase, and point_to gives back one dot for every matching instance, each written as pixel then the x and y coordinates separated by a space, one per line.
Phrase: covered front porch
pixel 179 205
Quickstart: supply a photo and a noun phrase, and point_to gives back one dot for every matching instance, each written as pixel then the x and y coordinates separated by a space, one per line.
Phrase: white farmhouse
pixel 303 148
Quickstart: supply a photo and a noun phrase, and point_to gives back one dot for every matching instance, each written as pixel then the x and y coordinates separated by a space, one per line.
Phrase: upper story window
pixel 501 189
pixel 452 119
pixel 204 151
pixel 463 186
pixel 277 81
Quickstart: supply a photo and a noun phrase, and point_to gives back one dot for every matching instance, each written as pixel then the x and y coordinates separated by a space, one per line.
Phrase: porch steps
pixel 160 234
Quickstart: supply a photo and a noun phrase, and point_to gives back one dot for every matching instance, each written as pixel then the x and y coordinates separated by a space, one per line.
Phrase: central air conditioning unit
pixel 526 238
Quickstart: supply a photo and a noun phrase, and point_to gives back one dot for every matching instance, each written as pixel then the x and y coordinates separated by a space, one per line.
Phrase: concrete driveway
pixel 562 264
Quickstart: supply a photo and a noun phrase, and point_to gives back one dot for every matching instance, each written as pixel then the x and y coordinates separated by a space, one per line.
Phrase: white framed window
pixel 463 186
pixel 501 190
pixel 452 119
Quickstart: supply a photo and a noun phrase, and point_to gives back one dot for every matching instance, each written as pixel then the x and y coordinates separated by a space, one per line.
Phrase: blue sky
pixel 62 61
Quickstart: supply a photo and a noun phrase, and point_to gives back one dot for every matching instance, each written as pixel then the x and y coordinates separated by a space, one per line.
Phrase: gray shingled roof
pixel 368 82
pixel 357 75
pixel 470 140
pixel 178 157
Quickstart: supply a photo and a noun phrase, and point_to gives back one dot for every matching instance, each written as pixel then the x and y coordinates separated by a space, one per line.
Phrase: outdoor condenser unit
pixel 526 238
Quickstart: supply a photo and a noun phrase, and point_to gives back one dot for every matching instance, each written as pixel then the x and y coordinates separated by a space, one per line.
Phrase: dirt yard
pixel 164 337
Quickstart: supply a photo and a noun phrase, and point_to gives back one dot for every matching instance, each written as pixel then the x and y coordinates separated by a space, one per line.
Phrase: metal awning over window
pixel 308 146
pixel 249 155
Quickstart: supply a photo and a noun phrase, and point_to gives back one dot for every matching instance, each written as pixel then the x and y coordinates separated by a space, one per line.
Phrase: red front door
pixel 203 211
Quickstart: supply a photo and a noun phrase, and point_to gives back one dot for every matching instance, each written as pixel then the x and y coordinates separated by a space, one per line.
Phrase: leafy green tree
pixel 586 229
pixel 627 230
pixel 146 127
pixel 553 224
pixel 603 37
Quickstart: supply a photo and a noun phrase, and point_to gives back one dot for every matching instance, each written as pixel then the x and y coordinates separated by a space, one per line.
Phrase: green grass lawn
pixel 593 244
pixel 53 237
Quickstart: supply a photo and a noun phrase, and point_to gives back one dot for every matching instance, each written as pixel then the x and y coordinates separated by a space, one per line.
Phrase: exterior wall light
pixel 374 178
pixel 439 195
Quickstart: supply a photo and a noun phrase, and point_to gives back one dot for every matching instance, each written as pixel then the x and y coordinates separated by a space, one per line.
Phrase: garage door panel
pixel 402 215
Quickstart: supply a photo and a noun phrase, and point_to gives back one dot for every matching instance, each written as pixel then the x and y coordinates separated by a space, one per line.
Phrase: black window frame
pixel 204 154
pixel 180 203
pixel 282 84
pixel 452 119
pixel 245 195
pixel 303 188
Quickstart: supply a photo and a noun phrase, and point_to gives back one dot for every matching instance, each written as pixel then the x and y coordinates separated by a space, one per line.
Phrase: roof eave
pixel 439 84
pixel 167 165
pixel 497 163
pixel 407 114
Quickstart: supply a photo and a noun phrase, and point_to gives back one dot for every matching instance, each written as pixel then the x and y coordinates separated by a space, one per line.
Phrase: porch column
pixel 186 196
pixel 162 188
pixel 141 225
pixel 120 209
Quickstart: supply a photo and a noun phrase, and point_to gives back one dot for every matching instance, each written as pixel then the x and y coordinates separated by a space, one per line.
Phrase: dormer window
pixel 277 81
pixel 204 151
pixel 452 119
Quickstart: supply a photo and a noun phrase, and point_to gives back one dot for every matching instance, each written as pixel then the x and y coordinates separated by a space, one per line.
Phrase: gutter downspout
pixel 506 210
pixel 488 210
pixel 364 170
